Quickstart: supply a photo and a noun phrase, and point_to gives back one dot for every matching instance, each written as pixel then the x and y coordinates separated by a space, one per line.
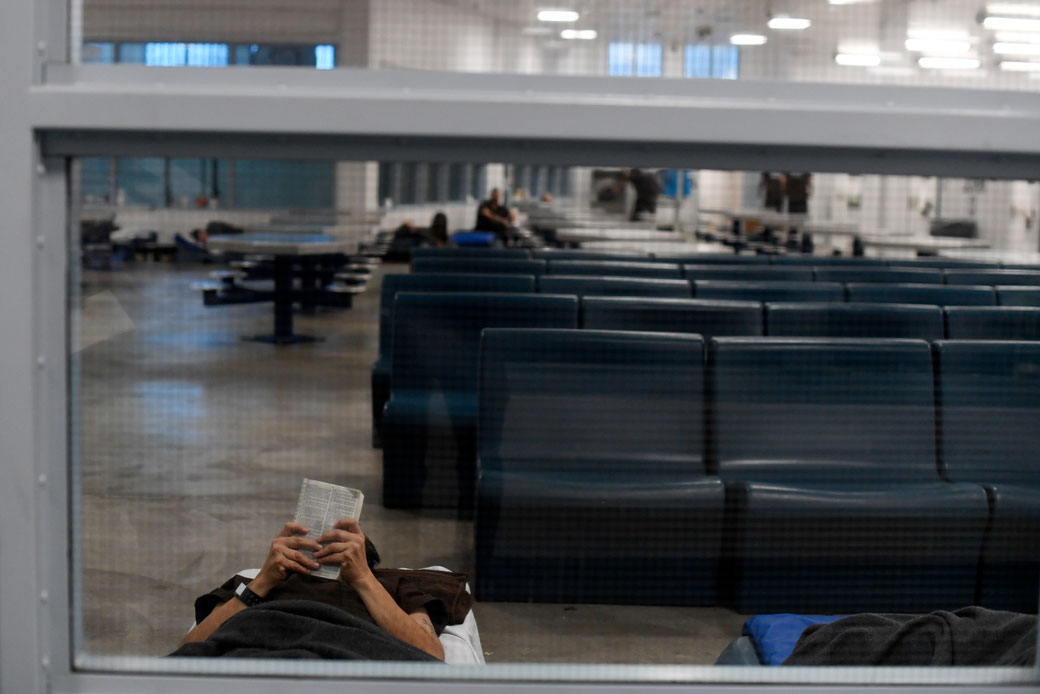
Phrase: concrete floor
pixel 192 444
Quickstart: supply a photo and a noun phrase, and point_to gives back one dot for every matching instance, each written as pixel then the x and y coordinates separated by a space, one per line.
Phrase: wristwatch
pixel 247 596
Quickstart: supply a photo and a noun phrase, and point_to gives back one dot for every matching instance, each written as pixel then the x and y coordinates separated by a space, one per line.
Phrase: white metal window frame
pixel 53 111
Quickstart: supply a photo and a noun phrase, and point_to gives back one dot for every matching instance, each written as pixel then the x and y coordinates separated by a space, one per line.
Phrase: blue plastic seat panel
pixel 768 291
pixel 509 266
pixel 813 319
pixel 430 421
pixel 604 268
pixel 900 275
pixel 992 323
pixel 613 286
pixel 1018 296
pixel 705 317
pixel 749 273
pixel 993 277
pixel 937 294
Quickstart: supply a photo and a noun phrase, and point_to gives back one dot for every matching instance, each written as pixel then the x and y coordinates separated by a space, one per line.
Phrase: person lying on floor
pixel 368 613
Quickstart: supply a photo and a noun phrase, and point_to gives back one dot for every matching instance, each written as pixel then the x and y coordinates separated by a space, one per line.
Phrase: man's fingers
pixel 348 524
pixel 302 559
pixel 297 542
pixel 291 565
pixel 291 528
pixel 334 548
pixel 333 536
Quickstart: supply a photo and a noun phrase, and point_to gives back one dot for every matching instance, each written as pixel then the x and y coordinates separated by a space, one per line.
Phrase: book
pixel 322 504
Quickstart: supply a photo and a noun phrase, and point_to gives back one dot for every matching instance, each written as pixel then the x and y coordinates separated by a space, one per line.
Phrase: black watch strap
pixel 247 596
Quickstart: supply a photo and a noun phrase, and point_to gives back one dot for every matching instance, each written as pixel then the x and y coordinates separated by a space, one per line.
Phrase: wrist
pixel 365 581
pixel 261 587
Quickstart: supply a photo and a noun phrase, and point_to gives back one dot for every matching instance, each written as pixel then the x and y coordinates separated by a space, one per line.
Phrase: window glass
pixel 99 52
pixel 141 181
pixel 456 182
pixel 284 184
pixel 96 180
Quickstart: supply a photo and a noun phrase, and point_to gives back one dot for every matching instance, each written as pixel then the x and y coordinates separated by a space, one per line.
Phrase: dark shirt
pixel 441 593
pixel 486 224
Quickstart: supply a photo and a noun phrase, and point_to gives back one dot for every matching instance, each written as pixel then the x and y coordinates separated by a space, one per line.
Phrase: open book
pixel 322 504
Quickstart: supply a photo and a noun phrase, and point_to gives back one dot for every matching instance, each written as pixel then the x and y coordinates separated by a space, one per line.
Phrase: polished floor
pixel 190 445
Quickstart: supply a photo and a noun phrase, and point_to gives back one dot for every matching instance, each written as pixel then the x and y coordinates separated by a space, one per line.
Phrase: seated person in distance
pixel 492 215
pixel 398 601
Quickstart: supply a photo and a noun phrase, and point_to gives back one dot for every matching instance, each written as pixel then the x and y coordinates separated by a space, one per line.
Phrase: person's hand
pixel 345 545
pixel 284 557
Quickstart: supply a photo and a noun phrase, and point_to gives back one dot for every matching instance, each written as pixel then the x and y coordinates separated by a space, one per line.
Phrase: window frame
pixel 48 115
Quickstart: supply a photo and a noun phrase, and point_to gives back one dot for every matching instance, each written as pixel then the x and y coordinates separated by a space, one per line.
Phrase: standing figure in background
pixel 647 191
pixel 798 187
pixel 772 189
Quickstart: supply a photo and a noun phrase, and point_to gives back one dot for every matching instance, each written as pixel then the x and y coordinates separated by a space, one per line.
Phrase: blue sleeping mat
pixel 773 636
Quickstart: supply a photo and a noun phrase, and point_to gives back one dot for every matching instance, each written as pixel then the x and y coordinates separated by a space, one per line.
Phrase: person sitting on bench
pixel 492 215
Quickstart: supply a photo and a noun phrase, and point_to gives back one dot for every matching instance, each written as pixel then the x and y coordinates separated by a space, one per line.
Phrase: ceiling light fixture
pixel 1017 48
pixel 747 39
pixel 937 63
pixel 537 31
pixel 557 16
pixel 937 46
pixel 1013 9
pixel 1019 66
pixel 789 23
pixel 858 59
pixel 1011 24
pixel 580 34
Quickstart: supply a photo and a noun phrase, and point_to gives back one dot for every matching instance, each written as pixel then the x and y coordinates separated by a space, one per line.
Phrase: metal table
pixel 285 249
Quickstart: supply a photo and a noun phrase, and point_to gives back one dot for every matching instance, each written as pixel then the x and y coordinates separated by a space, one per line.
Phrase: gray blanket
pixel 968 636
pixel 301 629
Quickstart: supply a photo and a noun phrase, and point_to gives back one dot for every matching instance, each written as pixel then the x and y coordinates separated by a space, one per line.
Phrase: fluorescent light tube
pixel 1017 48
pixel 1012 9
pixel 937 63
pixel 1011 24
pixel 558 16
pixel 858 59
pixel 581 34
pixel 1019 66
pixel 747 39
pixel 789 23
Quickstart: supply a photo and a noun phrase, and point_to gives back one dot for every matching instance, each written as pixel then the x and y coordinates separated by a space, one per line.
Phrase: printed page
pixel 322 504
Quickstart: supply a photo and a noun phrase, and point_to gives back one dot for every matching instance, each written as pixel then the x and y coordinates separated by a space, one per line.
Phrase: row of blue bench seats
pixel 708 258
pixel 742 273
pixel 428 427
pixel 772 475
pixel 723 317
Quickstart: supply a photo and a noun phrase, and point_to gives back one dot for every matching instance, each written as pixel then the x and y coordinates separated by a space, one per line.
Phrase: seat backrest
pixel 437 282
pixel 605 268
pixel 469 252
pixel 711 258
pixel 437 336
pixel 811 319
pixel 901 275
pixel 828 411
pixel 749 273
pixel 575 254
pixel 590 402
pixel 989 409
pixel 768 291
pixel 992 323
pixel 509 266
pixel 702 316
pixel 613 286
pixel 945 263
pixel 828 261
pixel 937 294
pixel 993 277
pixel 1018 296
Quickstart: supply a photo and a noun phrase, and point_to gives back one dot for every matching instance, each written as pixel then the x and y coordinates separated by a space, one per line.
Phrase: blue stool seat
pixel 474 238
